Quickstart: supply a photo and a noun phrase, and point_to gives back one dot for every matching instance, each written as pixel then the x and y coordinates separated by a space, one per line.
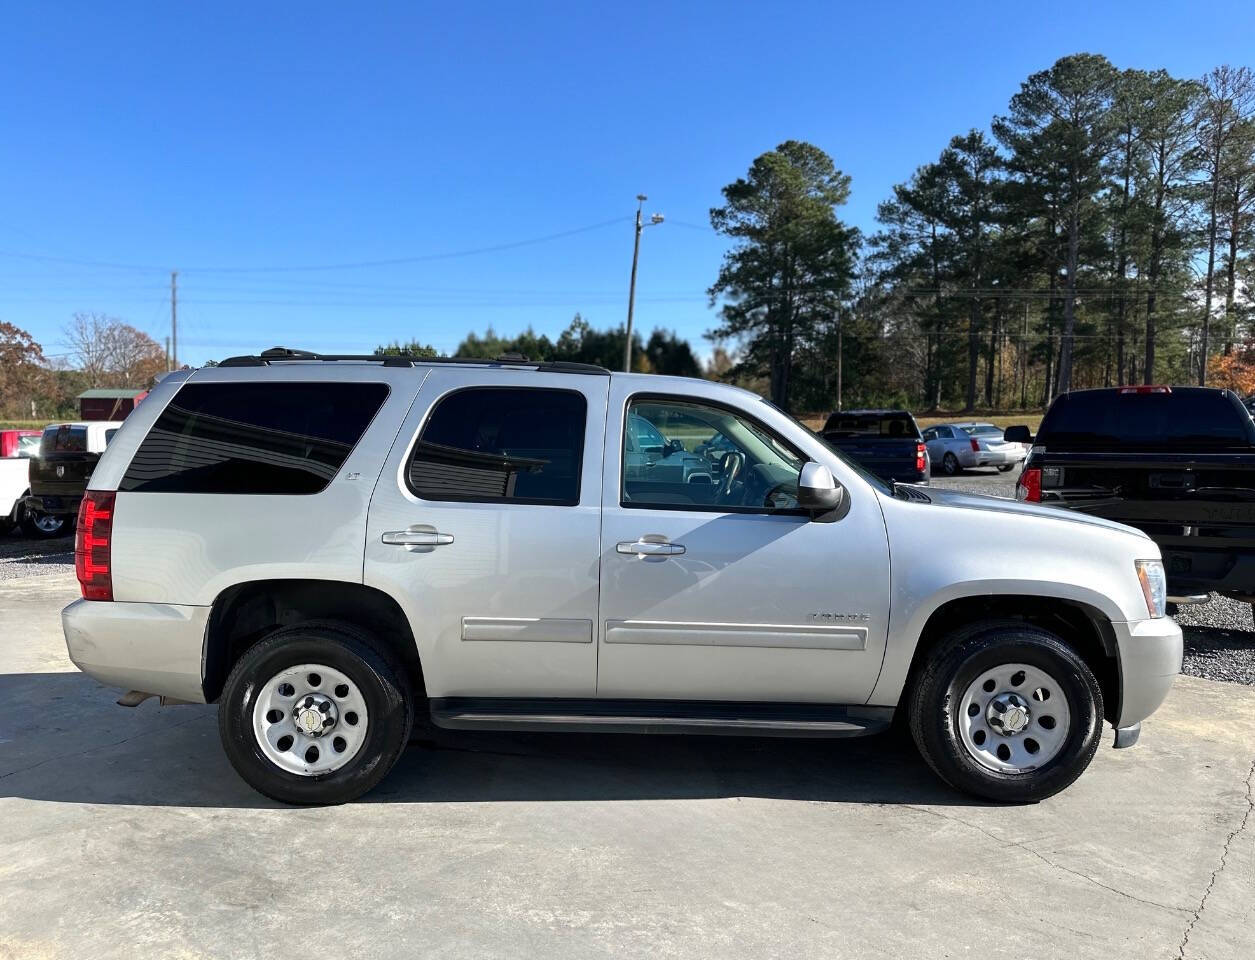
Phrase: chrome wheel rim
pixel 47 522
pixel 310 719
pixel 1014 718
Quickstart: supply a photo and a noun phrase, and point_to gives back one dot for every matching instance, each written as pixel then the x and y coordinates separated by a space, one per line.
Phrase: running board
pixel 660 716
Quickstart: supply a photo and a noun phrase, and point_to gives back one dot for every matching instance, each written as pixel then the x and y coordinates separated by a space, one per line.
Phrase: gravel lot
pixel 20 557
pixel 1219 636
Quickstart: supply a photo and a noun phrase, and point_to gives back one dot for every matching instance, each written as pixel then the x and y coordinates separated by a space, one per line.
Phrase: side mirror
pixel 1017 434
pixel 673 446
pixel 817 489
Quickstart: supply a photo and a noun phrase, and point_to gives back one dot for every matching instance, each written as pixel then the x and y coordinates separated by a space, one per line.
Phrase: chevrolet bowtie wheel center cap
pixel 1008 714
pixel 314 715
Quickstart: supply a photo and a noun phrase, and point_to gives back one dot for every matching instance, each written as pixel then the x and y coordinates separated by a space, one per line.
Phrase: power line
pixel 354 265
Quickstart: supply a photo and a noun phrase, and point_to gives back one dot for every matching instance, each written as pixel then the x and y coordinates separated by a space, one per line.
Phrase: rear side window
pixel 251 438
pixel 1189 417
pixel 491 444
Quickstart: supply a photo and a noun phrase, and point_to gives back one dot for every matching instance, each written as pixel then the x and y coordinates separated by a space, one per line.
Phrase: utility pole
pixel 174 319
pixel 654 220
pixel 840 351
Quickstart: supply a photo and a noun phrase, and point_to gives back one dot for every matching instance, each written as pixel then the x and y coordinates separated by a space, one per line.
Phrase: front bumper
pixel 1150 659
pixel 152 647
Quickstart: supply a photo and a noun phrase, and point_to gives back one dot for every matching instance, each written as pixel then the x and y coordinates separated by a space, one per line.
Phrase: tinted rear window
pixel 1185 418
pixel 64 439
pixel 870 425
pixel 493 444
pixel 250 438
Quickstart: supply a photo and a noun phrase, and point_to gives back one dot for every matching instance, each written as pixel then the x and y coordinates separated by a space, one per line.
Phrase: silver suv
pixel 328 546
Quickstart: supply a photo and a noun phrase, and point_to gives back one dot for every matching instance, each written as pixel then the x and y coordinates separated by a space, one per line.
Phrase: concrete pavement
pixel 125 833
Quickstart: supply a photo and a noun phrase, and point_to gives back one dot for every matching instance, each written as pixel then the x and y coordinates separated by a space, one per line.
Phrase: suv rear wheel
pixel 316 713
pixel 1007 711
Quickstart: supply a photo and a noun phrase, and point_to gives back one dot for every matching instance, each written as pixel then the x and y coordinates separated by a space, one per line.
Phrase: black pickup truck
pixel 1175 462
pixel 884 442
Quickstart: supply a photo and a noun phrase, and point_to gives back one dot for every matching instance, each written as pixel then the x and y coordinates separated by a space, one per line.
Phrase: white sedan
pixel 954 446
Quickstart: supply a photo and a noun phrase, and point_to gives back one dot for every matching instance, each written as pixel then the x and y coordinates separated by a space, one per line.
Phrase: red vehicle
pixel 19 443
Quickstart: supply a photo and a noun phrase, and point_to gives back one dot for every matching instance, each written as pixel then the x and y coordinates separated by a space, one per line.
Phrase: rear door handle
pixel 417 538
pixel 650 548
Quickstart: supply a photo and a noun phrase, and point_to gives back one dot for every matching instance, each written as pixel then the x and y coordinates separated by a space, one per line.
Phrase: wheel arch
pixel 245 613
pixel 1080 624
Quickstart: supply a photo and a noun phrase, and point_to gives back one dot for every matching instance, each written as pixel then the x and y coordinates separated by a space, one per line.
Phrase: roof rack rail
pixel 281 354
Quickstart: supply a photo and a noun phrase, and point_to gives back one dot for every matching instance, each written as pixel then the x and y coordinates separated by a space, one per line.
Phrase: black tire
pixel 383 684
pixel 958 661
pixel 950 465
pixel 6 526
pixel 1004 467
pixel 30 525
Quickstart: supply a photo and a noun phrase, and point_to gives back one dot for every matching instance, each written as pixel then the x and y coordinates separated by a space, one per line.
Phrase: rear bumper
pixel 53 505
pixel 1150 660
pixel 1201 570
pixel 153 647
pixel 995 458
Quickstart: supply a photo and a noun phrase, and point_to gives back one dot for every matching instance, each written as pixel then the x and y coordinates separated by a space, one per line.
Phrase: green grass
pixel 23 424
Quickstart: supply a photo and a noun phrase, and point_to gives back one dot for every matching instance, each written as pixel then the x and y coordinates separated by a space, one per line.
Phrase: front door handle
pixel 417 538
pixel 651 548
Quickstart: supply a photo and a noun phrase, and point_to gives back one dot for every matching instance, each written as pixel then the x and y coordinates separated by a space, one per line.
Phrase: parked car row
pixel 889 444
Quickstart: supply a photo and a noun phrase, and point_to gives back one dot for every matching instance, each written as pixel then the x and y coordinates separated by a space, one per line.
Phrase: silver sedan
pixel 954 446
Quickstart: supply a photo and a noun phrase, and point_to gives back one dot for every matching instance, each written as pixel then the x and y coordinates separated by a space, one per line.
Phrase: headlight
pixel 1154 585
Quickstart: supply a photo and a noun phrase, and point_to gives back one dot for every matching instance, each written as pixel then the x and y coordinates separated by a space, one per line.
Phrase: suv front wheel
pixel 316 713
pixel 1007 711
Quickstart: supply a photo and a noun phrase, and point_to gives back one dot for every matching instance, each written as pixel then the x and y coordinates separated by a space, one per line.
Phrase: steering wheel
pixel 730 465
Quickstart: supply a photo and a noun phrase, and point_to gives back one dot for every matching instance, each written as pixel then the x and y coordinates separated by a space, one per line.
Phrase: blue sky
pixel 245 143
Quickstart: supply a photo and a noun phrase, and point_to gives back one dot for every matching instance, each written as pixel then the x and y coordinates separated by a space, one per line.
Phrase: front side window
pixel 253 438
pixel 705 458
pixel 502 444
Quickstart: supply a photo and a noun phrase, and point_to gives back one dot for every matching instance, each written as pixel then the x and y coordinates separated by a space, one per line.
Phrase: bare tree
pixel 87 336
pixel 111 353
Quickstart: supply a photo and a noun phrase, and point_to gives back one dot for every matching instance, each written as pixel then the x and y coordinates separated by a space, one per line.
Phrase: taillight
pixel 919 457
pixel 1029 487
pixel 92 538
pixel 975 446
